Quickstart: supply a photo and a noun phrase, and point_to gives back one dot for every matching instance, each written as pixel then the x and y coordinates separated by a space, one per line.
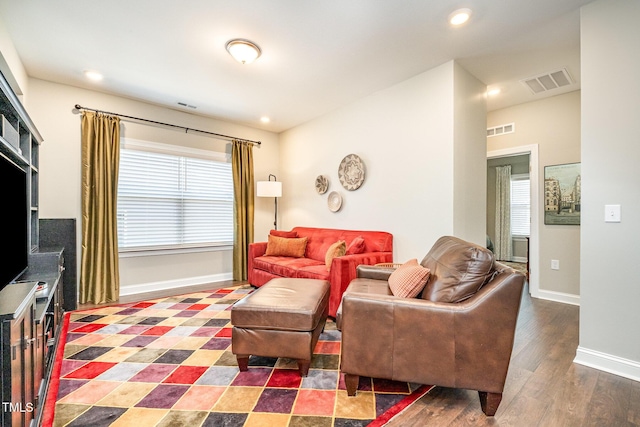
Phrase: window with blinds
pixel 173 198
pixel 520 205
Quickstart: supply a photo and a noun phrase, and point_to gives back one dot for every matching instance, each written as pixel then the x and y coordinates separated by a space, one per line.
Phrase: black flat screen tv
pixel 14 206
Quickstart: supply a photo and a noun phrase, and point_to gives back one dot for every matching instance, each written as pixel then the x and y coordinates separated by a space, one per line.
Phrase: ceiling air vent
pixel 184 104
pixel 501 130
pixel 548 81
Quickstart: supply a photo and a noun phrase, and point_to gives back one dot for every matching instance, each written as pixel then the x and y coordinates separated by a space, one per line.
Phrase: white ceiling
pixel 316 55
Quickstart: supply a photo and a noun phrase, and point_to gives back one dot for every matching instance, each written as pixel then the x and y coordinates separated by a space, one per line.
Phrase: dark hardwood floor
pixel 544 387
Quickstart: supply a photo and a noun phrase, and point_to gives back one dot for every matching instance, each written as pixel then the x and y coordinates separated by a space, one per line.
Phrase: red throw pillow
pixel 356 246
pixel 279 233
pixel 408 280
pixel 281 246
pixel 335 250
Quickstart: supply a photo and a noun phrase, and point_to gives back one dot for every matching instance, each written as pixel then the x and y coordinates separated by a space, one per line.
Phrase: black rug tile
pixel 98 416
pixel 90 353
pixel 90 318
pixel 151 320
pixel 217 323
pixel 174 357
pixel 223 419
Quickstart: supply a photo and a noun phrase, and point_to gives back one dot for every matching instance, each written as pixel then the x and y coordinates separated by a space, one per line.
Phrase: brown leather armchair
pixel 435 338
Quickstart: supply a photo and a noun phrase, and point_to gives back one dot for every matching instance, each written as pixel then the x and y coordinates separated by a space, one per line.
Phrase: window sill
pixel 132 253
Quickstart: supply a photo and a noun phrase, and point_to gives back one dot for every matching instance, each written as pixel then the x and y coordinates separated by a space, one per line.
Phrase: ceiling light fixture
pixel 93 75
pixel 265 119
pixel 493 92
pixel 243 51
pixel 460 16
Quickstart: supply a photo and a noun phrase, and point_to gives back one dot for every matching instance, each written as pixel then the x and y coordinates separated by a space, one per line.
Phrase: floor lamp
pixel 271 189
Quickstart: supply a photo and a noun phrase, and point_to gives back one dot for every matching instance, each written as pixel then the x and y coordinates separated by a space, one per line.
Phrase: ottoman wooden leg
pixel 303 367
pixel 243 362
pixel 351 381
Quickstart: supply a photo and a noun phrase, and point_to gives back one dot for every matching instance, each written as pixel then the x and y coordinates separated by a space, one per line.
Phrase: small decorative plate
pixel 351 172
pixel 322 184
pixel 334 201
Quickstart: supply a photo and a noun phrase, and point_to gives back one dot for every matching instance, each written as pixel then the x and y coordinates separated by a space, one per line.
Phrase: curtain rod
pixel 186 129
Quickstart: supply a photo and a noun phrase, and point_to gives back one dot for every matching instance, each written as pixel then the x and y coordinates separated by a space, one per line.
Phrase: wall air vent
pixel 501 130
pixel 548 81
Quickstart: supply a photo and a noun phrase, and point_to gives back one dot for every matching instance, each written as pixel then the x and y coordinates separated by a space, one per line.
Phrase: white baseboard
pixel 608 363
pixel 173 284
pixel 519 259
pixel 557 297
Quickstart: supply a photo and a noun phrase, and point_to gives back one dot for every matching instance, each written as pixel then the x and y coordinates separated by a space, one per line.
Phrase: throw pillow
pixel 337 249
pixel 282 246
pixel 356 246
pixel 408 280
pixel 279 233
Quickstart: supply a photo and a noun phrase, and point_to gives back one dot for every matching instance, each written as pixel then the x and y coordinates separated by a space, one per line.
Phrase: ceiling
pixel 317 56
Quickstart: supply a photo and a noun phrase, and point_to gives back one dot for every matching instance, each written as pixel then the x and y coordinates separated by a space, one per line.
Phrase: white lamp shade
pixel 269 189
pixel 243 51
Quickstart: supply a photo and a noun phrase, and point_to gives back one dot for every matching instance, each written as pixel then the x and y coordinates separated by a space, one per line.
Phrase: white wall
pixel 50 106
pixel 405 136
pixel 470 174
pixel 610 61
pixel 554 125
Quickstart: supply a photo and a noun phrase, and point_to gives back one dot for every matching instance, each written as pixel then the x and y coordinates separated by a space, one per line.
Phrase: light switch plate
pixel 612 213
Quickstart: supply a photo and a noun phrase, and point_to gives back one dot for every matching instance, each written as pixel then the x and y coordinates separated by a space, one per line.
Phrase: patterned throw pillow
pixel 282 246
pixel 408 280
pixel 337 249
pixel 356 246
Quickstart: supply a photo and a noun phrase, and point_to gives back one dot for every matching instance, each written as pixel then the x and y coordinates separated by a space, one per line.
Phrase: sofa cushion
pixel 282 246
pixel 285 266
pixel 458 269
pixel 408 280
pixel 337 249
pixel 281 233
pixel 357 246
pixel 318 272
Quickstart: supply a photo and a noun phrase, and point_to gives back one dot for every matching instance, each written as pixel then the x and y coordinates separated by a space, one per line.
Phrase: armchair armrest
pixel 374 272
pixel 343 271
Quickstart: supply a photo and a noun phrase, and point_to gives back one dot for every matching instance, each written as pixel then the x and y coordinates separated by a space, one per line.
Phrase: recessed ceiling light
pixel 493 92
pixel 243 51
pixel 265 119
pixel 460 16
pixel 93 75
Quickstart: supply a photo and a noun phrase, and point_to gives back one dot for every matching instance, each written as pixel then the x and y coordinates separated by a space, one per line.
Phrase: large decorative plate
pixel 334 201
pixel 351 172
pixel 322 184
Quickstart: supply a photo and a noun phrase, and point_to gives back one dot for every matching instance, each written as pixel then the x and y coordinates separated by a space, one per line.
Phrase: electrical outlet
pixel 555 264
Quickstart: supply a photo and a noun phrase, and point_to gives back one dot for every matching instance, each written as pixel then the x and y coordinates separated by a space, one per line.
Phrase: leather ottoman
pixel 283 318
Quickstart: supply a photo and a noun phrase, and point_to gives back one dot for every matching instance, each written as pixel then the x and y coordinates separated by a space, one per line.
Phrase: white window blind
pixel 172 201
pixel 520 205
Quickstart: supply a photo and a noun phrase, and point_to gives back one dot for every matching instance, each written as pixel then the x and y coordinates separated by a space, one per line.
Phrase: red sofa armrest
pixel 255 250
pixel 343 271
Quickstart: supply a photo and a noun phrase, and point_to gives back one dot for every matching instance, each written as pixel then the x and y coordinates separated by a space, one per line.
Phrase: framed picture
pixel 562 194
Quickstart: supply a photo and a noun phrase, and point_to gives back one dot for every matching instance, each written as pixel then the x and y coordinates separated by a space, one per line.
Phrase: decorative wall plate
pixel 351 172
pixel 334 201
pixel 322 184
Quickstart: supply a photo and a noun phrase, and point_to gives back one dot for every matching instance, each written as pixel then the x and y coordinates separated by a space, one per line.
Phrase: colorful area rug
pixel 168 362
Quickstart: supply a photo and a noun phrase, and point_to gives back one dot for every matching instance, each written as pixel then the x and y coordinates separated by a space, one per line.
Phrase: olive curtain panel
pixel 99 272
pixel 242 166
pixel 503 245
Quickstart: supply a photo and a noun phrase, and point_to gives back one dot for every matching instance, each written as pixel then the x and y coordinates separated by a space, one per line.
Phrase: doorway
pixel 523 159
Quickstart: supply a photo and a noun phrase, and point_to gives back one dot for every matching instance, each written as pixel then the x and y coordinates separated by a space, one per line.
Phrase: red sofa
pixel 378 247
